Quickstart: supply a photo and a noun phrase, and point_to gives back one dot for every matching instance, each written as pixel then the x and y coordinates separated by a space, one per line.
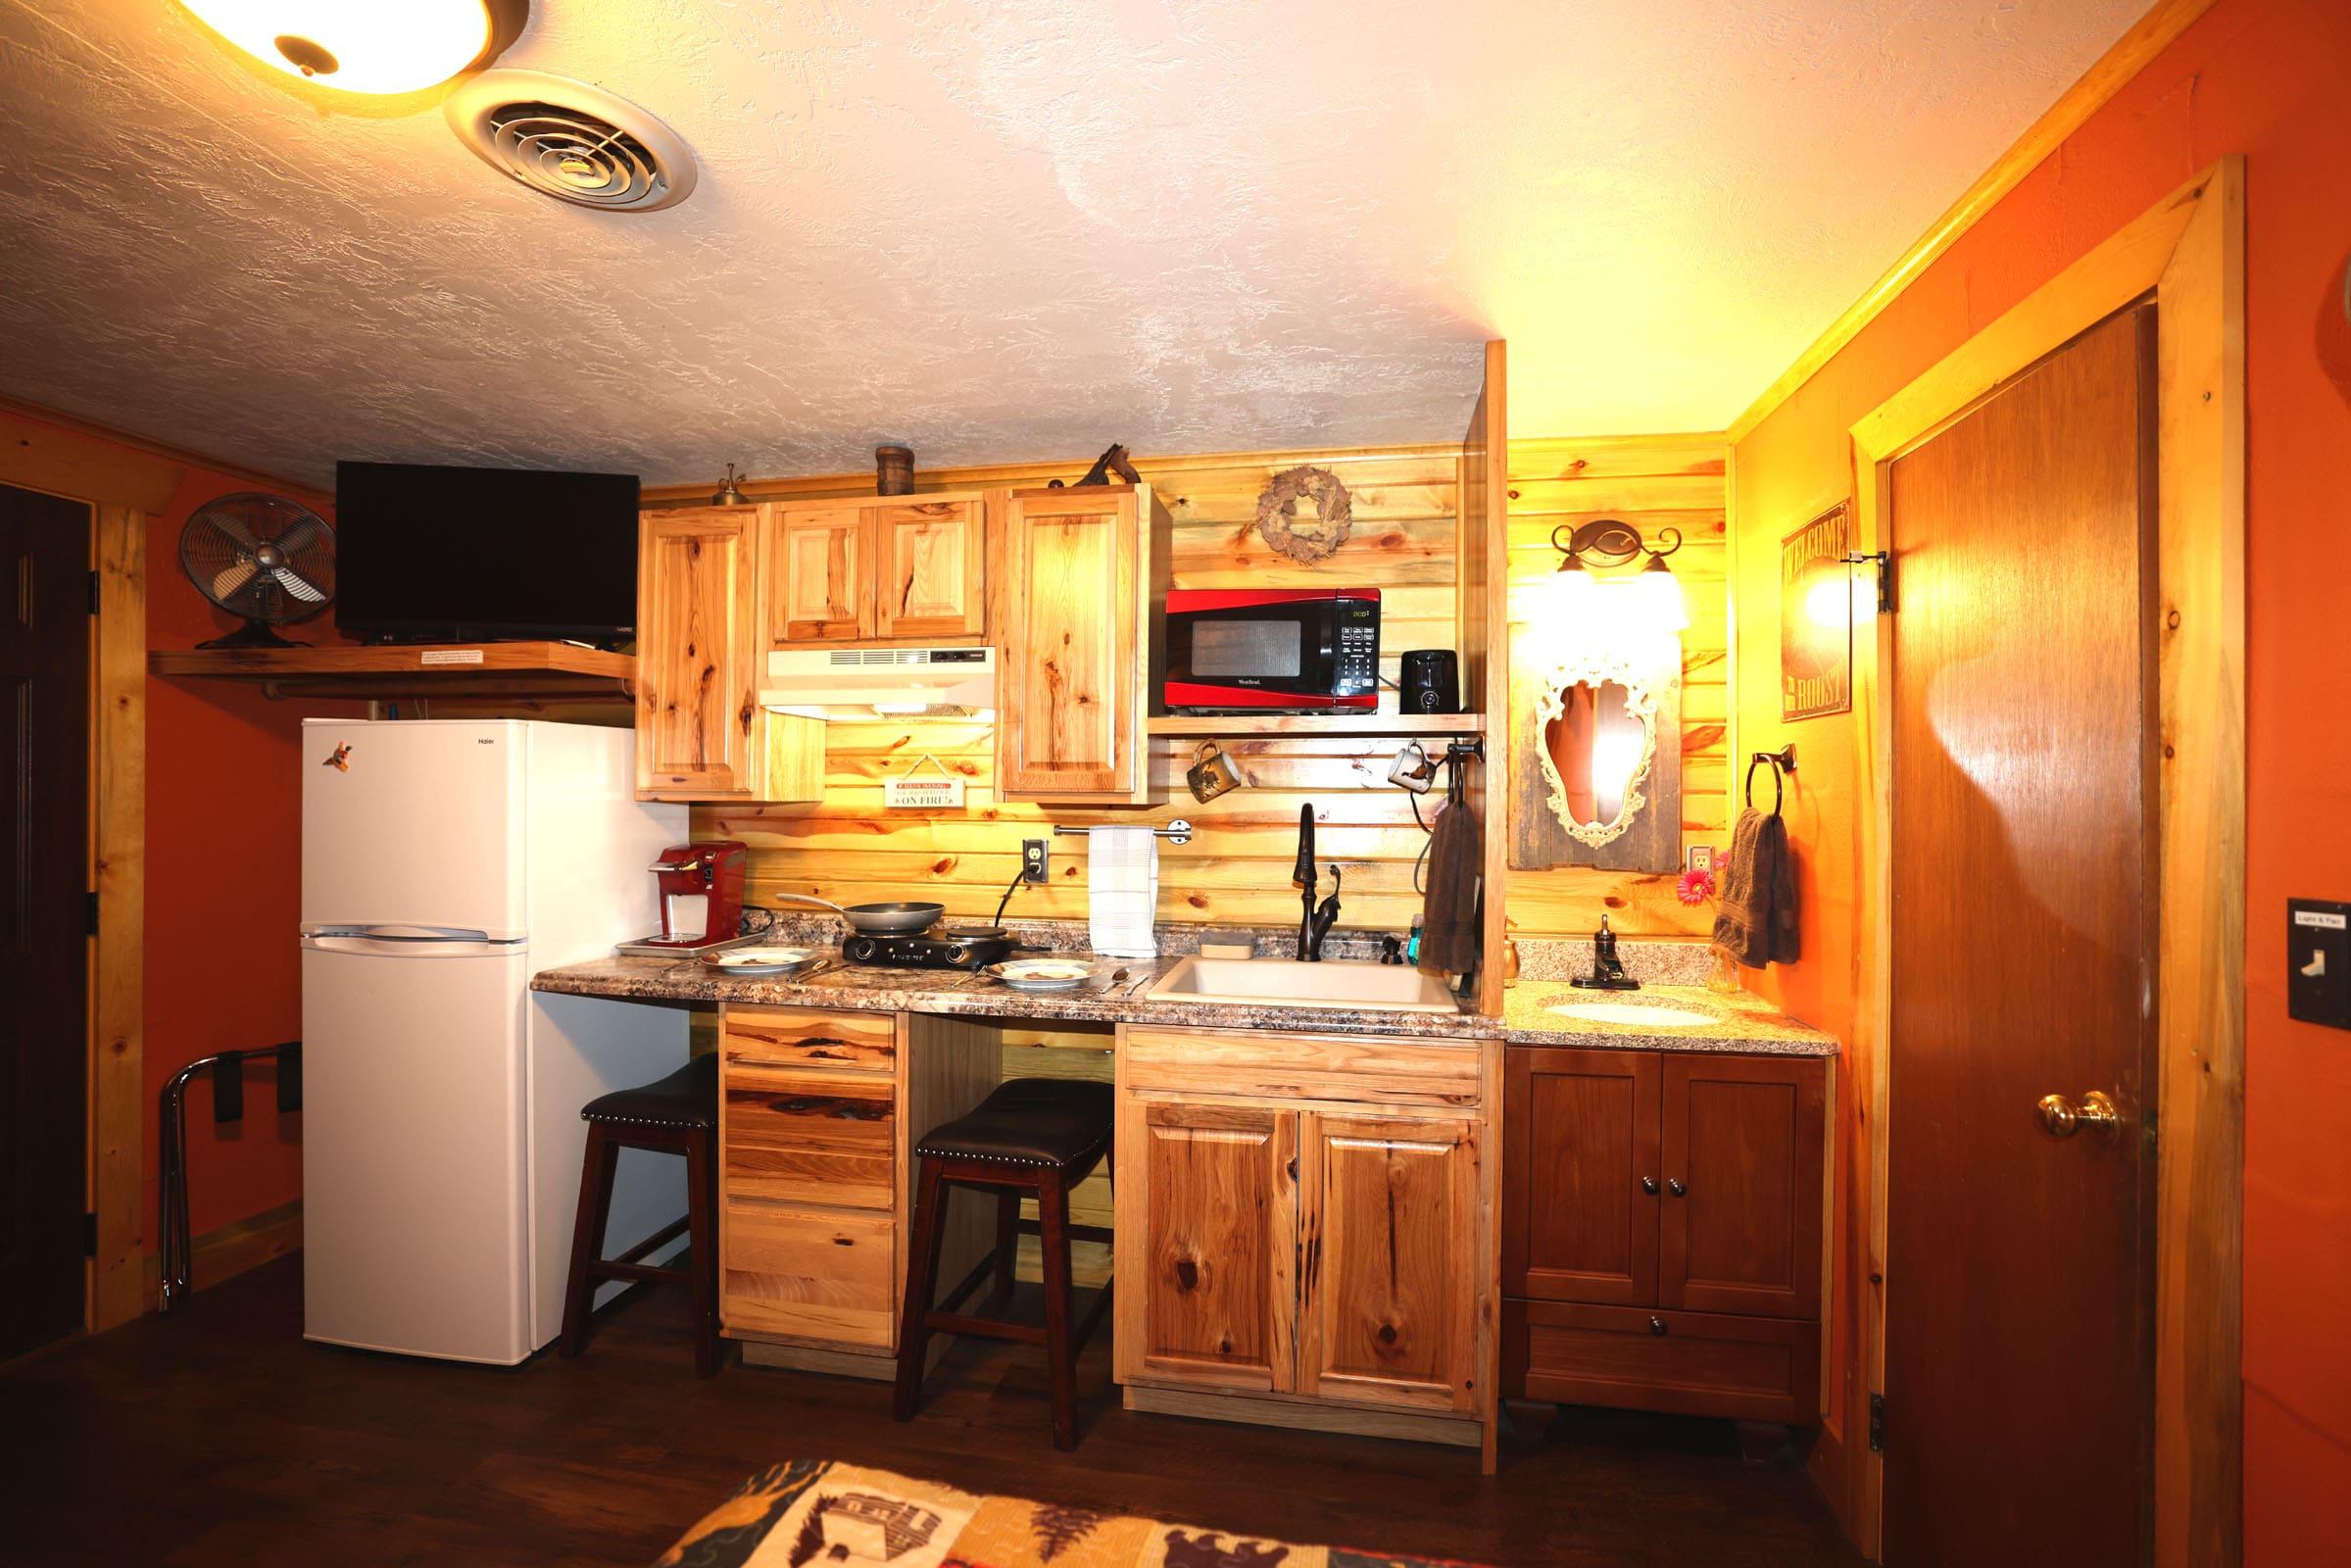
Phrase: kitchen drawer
pixel 793 1136
pixel 804 1037
pixel 810 1275
pixel 1703 1363
pixel 1256 1065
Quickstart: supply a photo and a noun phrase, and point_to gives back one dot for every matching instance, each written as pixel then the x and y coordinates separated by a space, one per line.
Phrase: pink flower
pixel 1694 888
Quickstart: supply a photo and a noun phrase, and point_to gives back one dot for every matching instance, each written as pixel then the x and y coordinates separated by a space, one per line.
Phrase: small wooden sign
pixel 1816 618
pixel 911 794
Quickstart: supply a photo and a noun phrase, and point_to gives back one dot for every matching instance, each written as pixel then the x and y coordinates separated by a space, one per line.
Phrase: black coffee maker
pixel 1431 681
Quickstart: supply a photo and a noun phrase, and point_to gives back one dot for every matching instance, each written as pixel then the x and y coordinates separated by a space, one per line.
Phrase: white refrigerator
pixel 443 864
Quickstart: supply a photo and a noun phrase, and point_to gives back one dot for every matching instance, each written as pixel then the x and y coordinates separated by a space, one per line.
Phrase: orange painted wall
pixel 2272 79
pixel 223 879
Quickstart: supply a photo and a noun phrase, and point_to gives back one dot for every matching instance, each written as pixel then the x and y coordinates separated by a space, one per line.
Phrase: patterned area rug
pixel 826 1515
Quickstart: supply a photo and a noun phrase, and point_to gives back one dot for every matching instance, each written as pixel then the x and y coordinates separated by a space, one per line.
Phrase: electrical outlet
pixel 1702 857
pixel 1033 853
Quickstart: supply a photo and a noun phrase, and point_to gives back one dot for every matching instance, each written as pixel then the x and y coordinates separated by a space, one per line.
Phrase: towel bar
pixel 1178 831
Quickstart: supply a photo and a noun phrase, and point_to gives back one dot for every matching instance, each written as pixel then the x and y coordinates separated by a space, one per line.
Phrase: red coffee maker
pixel 700 892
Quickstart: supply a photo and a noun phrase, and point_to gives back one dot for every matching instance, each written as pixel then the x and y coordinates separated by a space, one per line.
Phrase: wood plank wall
pixel 1236 867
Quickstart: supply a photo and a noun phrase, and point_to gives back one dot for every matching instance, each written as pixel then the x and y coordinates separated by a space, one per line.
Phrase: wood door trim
pixel 2188 251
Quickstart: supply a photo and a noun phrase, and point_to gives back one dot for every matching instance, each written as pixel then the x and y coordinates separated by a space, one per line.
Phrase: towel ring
pixel 1783 763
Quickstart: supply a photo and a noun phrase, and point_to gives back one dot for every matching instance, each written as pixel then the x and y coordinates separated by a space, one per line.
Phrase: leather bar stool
pixel 678 1113
pixel 1033 1135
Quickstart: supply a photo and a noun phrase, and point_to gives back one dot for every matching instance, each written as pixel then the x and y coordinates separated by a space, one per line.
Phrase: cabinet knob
pixel 1657 1327
pixel 1648 1185
pixel 1674 1186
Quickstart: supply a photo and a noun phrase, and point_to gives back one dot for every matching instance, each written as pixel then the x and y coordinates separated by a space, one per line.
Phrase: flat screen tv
pixel 473 555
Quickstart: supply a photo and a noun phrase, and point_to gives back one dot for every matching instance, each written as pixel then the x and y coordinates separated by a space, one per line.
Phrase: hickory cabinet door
pixel 1389 1238
pixel 1743 1152
pixel 819 575
pixel 930 577
pixel 697 709
pixel 1068 696
pixel 1215 1300
pixel 1581 1175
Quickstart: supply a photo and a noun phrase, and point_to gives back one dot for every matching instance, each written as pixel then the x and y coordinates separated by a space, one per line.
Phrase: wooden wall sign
pixel 907 793
pixel 1816 618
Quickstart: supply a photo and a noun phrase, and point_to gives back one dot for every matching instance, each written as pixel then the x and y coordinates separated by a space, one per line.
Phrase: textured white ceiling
pixel 994 231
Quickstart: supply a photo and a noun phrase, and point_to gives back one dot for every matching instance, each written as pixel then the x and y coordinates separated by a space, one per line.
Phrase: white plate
pixel 1040 972
pixel 758 960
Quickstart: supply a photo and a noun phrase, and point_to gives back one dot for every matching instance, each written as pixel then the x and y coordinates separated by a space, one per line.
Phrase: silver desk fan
pixel 262 557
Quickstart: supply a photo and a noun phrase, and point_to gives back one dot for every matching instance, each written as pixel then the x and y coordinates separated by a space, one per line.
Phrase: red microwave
pixel 1272 651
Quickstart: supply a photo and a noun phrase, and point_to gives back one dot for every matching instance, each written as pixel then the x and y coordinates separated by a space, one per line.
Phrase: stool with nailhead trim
pixel 679 1113
pixel 1033 1135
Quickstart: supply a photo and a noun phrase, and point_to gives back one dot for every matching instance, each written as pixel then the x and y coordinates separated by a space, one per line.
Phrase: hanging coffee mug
pixel 1211 773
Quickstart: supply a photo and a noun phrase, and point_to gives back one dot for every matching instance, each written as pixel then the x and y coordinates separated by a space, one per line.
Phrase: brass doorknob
pixel 2061 1119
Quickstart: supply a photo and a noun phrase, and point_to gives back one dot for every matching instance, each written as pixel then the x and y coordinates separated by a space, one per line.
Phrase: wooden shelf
pixel 1369 725
pixel 452 670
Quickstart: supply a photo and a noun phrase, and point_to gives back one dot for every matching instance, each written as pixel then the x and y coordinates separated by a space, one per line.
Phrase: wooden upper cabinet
pixel 697 664
pixel 1744 1143
pixel 1080 566
pixel 1388 1233
pixel 1581 1175
pixel 929 571
pixel 821 565
pixel 898 568
pixel 1214 1300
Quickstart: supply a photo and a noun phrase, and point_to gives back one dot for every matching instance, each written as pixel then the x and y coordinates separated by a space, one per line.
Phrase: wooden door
pixel 1581 1175
pixel 929 571
pixel 1388 1248
pixel 1218 1278
pixel 697 670
pixel 2019 1264
pixel 1743 1148
pixel 44 883
pixel 820 569
pixel 1067 714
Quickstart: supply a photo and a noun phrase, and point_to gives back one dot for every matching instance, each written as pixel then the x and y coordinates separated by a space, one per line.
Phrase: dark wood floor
pixel 217 1436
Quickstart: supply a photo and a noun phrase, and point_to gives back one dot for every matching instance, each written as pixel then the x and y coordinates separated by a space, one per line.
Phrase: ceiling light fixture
pixel 366 48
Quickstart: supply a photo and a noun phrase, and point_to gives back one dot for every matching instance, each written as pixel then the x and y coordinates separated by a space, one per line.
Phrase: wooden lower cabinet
pixel 1219 1248
pixel 1662 1223
pixel 810 1274
pixel 1389 1232
pixel 1322 1259
pixel 816 1114
pixel 1688 1364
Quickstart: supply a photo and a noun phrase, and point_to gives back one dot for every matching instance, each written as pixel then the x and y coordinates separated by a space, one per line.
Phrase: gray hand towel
pixel 1756 920
pixel 1449 922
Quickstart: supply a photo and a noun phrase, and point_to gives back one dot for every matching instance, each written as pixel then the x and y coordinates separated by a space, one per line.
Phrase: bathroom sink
pixel 1642 1014
pixel 1331 983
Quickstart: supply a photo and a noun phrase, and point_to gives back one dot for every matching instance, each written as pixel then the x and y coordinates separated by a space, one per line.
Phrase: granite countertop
pixel 1735 1023
pixel 1738 1024
pixel 953 991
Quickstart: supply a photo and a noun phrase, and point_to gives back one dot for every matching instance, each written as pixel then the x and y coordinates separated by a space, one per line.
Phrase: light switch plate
pixel 2318 963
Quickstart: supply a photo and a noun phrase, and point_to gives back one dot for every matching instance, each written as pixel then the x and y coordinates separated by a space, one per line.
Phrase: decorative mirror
pixel 1596 733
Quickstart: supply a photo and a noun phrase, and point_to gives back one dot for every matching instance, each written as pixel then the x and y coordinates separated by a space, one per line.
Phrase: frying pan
pixel 879 919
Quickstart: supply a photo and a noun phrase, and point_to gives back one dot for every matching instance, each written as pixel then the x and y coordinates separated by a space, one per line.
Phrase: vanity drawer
pixel 793 1136
pixel 1703 1363
pixel 804 1037
pixel 810 1275
pixel 1250 1064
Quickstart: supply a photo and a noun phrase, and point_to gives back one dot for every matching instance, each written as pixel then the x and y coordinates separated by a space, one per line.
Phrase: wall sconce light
pixel 1599 579
pixel 366 48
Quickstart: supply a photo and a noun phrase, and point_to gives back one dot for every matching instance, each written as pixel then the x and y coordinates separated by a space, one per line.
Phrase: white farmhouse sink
pixel 1288 982
pixel 1643 1014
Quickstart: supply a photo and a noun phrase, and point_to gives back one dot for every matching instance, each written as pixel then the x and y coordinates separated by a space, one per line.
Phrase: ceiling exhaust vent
pixel 572 141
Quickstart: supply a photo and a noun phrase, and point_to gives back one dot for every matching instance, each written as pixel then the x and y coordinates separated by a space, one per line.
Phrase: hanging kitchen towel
pixel 1449 922
pixel 1122 891
pixel 1756 920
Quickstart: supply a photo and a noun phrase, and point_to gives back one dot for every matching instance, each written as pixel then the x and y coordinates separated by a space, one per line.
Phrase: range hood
pixel 822 682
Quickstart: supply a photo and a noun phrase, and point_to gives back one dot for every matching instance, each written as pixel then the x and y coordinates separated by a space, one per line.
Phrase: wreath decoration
pixel 1277 513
